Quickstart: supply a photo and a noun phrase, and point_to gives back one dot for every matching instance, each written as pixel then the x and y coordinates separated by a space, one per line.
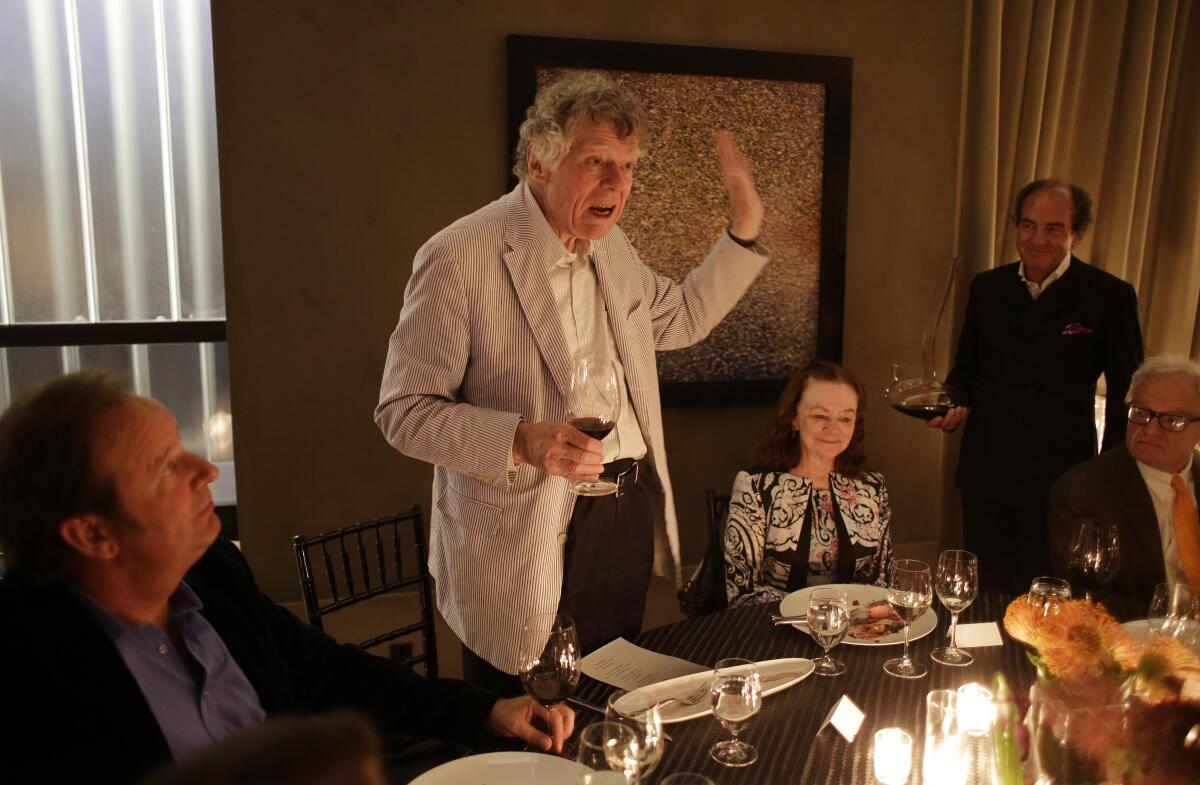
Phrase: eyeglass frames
pixel 1168 422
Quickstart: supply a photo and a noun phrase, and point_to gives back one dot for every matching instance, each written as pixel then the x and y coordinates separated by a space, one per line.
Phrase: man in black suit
pixel 132 635
pixel 1037 335
pixel 1146 487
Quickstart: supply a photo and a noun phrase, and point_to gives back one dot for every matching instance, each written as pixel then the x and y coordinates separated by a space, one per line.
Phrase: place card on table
pixel 845 717
pixel 628 666
pixel 971 636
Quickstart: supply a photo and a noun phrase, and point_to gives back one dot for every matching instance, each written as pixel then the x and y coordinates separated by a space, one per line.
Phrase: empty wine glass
pixel 548 657
pixel 608 750
pixel 736 693
pixel 828 622
pixel 645 720
pixel 1174 612
pixel 1095 555
pixel 593 405
pixel 1048 594
pixel 957 584
pixel 910 593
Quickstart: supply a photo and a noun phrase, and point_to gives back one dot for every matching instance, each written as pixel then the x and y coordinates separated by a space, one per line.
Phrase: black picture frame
pixel 526 55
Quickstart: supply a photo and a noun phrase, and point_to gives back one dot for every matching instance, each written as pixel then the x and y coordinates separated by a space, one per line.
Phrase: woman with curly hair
pixel 809 513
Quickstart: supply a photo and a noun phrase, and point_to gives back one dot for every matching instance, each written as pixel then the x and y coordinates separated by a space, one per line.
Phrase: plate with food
pixel 872 620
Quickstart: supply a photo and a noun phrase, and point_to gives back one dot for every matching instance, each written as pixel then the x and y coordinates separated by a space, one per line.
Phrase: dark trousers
pixel 1010 539
pixel 607 562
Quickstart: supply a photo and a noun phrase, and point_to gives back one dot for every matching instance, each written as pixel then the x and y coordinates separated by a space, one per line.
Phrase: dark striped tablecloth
pixel 784 731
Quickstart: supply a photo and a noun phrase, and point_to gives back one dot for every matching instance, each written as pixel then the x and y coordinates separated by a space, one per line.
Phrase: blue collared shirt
pixel 198 695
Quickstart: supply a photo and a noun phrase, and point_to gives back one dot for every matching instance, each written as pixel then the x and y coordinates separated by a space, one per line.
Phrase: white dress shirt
pixel 1036 289
pixel 1163 496
pixel 585 324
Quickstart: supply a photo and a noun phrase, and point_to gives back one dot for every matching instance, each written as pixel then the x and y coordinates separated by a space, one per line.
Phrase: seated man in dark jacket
pixel 1145 487
pixel 132 635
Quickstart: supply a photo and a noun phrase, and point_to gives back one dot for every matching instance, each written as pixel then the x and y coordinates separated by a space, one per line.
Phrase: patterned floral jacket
pixel 760 543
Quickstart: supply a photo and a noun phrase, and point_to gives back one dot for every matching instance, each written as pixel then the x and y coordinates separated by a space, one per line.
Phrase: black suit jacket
pixel 74 713
pixel 1028 370
pixel 1110 489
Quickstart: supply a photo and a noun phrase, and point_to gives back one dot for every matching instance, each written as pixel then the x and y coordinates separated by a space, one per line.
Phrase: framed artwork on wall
pixel 791 116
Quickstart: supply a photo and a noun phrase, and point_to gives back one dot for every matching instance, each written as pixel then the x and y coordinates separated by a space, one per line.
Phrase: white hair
pixel 1164 365
pixel 548 124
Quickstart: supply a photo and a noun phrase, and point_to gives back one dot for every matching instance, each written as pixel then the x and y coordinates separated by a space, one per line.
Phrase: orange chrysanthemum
pixel 1083 642
pixel 1022 620
pixel 1163 666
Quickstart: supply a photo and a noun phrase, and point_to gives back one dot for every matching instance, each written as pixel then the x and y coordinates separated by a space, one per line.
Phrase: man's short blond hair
pixel 546 130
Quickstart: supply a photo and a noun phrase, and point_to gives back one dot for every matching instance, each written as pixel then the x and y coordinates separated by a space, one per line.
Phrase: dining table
pixel 794 743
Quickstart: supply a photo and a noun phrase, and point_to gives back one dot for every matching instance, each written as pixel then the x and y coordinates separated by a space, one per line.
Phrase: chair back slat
pixel 353 573
pixel 330 575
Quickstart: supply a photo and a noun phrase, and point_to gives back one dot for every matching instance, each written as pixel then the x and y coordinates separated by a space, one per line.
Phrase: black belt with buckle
pixel 623 471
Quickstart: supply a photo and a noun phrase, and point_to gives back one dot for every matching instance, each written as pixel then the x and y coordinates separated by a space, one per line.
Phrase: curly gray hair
pixel 547 126
pixel 1163 365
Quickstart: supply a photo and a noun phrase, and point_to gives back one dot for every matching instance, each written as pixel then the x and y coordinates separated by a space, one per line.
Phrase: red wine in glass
pixel 547 686
pixel 1095 555
pixel 596 427
pixel 548 657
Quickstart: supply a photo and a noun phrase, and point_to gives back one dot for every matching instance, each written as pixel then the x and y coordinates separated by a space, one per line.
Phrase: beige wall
pixel 351 130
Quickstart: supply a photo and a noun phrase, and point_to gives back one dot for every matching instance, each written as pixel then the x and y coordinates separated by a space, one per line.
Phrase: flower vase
pixel 1067 735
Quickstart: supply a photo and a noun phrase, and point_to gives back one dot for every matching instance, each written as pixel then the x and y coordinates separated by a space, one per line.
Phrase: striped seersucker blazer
pixel 479 346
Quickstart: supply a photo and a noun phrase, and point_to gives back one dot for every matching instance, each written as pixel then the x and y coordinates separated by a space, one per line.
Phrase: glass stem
pixel 953 630
pixel 907 662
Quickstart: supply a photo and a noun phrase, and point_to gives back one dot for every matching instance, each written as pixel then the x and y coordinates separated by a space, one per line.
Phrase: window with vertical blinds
pixel 110 228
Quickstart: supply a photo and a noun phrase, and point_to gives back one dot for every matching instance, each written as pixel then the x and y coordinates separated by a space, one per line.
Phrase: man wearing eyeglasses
pixel 1146 487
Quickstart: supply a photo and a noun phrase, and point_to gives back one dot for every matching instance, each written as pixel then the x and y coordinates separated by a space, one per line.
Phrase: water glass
pixel 910 593
pixel 945 761
pixel 608 750
pixel 687 778
pixel 1049 594
pixel 1175 612
pixel 828 621
pixel 736 693
pixel 893 756
pixel 645 720
pixel 957 583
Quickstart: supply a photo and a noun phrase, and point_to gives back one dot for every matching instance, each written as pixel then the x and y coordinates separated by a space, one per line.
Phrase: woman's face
pixel 825 419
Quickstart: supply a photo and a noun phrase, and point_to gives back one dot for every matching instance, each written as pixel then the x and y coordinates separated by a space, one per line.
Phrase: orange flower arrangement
pixel 1089 663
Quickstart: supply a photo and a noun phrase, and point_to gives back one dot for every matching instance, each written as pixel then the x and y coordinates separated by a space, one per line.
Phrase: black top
pixel 74 713
pixel 1028 370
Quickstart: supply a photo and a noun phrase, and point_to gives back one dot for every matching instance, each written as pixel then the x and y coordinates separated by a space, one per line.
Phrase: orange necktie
pixel 1187 532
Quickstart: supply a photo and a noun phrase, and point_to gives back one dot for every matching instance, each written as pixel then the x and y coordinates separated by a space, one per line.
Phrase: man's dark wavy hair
pixel 46 469
pixel 1081 202
pixel 780 448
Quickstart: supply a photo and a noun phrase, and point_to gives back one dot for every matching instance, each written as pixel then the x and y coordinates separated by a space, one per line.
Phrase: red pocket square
pixel 1075 328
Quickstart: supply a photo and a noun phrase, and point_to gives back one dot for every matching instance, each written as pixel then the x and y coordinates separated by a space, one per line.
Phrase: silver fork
pixel 691 699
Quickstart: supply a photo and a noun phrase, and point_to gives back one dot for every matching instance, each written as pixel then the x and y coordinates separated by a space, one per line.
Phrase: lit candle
pixel 945 759
pixel 945 762
pixel 893 756
pixel 976 711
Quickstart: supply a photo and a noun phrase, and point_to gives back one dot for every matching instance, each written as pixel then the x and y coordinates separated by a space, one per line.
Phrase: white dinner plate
pixel 775 675
pixel 1140 630
pixel 504 768
pixel 796 604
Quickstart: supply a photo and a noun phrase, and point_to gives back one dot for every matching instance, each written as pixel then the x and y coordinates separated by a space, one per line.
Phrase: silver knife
pixel 801 620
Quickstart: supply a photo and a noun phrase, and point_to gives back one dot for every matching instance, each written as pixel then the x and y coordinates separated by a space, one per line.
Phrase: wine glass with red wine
pixel 548 657
pixel 593 405
pixel 1095 555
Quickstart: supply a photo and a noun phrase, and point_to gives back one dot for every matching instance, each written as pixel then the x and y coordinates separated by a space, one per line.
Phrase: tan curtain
pixel 1105 94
